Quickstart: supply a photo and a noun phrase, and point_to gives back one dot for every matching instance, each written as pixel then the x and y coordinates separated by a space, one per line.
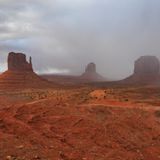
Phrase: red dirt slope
pixel 54 130
pixel 19 79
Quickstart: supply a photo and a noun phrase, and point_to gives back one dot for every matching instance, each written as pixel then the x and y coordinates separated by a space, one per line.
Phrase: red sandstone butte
pixel 146 70
pixel 20 74
pixel 18 62
pixel 147 65
pixel 91 74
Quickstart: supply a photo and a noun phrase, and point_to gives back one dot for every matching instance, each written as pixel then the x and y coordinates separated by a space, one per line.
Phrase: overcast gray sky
pixel 63 36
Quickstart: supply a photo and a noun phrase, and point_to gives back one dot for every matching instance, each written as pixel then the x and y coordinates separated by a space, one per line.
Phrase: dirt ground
pixel 88 123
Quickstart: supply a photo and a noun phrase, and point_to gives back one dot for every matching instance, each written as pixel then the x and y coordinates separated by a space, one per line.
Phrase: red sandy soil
pixel 80 124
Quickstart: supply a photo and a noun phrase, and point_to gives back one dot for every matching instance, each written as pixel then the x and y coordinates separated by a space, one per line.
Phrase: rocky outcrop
pixel 91 68
pixel 146 71
pixel 20 74
pixel 147 65
pixel 18 62
pixel 90 73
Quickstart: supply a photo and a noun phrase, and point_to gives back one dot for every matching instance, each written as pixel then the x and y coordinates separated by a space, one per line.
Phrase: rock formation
pixel 90 73
pixel 146 70
pixel 91 68
pixel 147 65
pixel 18 62
pixel 20 74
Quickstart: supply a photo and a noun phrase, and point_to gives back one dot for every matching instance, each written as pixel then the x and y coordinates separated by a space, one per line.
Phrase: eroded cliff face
pixel 146 71
pixel 20 74
pixel 18 62
pixel 91 68
pixel 91 74
pixel 147 65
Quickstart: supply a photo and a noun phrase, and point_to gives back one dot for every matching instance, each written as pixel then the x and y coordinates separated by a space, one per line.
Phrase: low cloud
pixel 64 35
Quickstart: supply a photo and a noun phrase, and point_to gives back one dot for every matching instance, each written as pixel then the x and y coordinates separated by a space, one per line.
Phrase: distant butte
pixel 146 70
pixel 91 68
pixel 147 65
pixel 91 74
pixel 20 74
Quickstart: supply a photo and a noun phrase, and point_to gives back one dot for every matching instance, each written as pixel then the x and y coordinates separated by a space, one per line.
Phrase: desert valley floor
pixel 80 123
pixel 79 79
